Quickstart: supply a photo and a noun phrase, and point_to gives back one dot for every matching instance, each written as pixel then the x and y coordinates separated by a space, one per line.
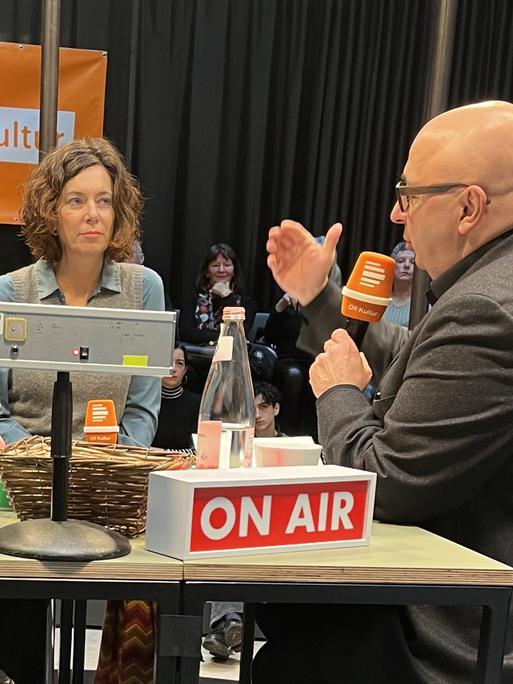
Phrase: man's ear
pixel 276 409
pixel 473 206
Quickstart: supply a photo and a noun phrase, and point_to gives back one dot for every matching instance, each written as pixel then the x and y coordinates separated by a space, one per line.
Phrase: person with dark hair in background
pixel 267 408
pixel 398 311
pixel 178 418
pixel 81 210
pixel 219 283
pixel 439 433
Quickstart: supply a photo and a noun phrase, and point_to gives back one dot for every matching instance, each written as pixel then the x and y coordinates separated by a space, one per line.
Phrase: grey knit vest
pixel 30 392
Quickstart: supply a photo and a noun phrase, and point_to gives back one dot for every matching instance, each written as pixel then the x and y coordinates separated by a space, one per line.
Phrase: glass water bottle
pixel 226 423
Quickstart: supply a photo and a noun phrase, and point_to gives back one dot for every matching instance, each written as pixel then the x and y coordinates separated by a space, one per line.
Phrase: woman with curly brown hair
pixel 81 210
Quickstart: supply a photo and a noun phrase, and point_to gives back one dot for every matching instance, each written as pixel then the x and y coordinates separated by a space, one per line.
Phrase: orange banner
pixel 82 77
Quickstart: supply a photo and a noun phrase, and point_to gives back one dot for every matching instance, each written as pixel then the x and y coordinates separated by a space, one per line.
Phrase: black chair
pixel 257 328
pixel 262 360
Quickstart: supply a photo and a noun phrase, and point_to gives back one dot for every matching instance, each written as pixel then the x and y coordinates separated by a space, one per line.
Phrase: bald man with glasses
pixel 439 433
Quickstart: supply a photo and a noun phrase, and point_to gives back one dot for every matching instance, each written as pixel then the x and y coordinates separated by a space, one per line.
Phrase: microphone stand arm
pixel 62 414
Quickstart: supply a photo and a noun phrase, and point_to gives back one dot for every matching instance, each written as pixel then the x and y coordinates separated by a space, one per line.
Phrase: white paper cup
pixel 273 454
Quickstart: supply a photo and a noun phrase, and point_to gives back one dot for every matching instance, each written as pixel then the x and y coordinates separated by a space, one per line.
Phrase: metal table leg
pixel 492 639
pixel 248 639
pixel 176 638
pixel 65 641
pixel 79 637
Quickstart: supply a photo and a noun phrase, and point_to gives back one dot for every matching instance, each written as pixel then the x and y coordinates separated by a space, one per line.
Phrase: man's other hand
pixel 340 364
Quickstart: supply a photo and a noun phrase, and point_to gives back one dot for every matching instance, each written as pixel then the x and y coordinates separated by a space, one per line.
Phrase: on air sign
pixel 196 514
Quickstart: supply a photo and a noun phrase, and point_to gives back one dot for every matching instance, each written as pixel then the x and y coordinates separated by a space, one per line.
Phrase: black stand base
pixel 73 540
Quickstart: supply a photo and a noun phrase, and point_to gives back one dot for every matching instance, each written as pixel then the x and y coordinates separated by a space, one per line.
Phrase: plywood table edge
pixel 84 571
pixel 364 575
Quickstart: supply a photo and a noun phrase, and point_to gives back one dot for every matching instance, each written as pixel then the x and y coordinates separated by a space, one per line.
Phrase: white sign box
pixel 208 513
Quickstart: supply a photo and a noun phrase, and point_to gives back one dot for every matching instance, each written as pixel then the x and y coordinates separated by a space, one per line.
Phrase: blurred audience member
pixel 219 283
pixel 137 253
pixel 398 311
pixel 179 410
pixel 267 408
pixel 137 257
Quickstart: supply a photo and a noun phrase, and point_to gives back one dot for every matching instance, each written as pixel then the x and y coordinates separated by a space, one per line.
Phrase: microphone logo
pixel 99 412
pixel 100 423
pixel 373 274
pixel 369 289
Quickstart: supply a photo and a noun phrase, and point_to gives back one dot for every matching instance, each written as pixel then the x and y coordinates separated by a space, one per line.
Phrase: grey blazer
pixel 439 435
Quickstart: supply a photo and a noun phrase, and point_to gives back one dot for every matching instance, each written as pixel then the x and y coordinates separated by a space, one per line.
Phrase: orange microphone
pixel 101 425
pixel 368 293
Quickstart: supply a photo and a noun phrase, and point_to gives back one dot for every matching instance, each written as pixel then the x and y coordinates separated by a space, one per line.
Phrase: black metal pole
pixel 436 102
pixel 132 73
pixel 50 38
pixel 62 410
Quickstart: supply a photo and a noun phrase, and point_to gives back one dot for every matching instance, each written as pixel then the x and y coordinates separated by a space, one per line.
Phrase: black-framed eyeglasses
pixel 404 192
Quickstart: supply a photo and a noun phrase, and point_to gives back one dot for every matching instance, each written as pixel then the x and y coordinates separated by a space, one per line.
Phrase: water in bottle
pixel 226 423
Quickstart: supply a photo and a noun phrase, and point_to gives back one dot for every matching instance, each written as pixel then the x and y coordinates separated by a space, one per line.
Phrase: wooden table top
pixel 138 565
pixel 396 554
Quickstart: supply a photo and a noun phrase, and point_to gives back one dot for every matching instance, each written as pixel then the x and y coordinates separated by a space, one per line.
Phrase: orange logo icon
pixel 101 425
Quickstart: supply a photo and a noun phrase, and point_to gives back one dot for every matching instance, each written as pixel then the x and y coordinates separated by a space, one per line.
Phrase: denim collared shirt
pixel 139 421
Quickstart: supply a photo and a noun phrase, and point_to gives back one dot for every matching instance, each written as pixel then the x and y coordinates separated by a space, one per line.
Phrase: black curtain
pixel 266 110
pixel 483 52
pixel 245 112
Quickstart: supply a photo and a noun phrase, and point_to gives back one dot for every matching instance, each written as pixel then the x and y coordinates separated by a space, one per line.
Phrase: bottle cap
pixel 234 312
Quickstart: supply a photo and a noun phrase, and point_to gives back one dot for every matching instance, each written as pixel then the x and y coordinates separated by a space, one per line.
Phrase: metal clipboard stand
pixel 88 339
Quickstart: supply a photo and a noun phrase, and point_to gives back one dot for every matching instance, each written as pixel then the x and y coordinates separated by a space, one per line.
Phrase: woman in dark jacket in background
pixel 219 283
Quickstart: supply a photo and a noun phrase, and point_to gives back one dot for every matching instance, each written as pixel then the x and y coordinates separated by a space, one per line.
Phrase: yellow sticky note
pixel 134 360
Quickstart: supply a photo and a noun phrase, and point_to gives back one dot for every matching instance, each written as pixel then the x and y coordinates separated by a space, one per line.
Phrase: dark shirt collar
pixel 441 284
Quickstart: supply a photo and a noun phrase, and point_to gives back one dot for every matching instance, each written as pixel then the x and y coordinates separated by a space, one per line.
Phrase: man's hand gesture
pixel 299 264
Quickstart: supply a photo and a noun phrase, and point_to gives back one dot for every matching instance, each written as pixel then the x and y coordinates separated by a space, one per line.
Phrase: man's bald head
pixel 470 144
pixel 472 148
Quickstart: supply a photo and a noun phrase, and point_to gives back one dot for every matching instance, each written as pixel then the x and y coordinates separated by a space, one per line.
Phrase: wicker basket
pixel 108 485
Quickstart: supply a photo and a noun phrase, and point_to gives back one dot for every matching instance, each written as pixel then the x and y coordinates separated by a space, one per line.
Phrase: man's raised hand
pixel 299 264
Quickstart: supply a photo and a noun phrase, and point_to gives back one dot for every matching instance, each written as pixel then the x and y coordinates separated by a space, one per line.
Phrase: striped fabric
pixel 398 314
pixel 128 644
